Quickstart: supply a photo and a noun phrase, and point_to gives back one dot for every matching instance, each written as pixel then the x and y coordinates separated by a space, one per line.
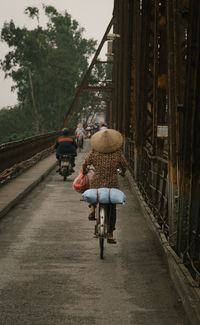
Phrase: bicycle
pixel 104 214
pixel 102 224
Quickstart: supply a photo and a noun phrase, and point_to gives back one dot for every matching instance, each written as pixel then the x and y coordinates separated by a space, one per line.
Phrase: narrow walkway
pixel 11 193
pixel 50 269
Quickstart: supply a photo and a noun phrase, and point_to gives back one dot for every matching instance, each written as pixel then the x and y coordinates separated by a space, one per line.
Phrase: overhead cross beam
pixel 95 89
pixel 85 79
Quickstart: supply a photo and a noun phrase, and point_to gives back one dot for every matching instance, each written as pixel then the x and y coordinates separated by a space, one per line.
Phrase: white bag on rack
pixel 104 195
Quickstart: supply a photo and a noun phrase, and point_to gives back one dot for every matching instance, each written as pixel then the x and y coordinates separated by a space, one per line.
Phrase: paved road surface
pixel 51 274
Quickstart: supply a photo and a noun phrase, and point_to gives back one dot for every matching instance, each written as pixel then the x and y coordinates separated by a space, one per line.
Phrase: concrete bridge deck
pixel 50 269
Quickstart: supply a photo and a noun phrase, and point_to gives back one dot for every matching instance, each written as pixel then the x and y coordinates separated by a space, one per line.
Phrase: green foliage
pixel 46 65
pixel 18 136
pixel 16 124
pixel 32 12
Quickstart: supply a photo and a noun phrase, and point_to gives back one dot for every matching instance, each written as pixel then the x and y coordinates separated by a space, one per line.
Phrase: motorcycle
pixel 66 165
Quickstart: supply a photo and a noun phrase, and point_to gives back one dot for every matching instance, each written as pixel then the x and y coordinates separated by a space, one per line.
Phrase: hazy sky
pixel 93 15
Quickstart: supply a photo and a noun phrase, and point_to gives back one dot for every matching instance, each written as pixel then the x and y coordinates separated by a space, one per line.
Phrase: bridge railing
pixel 153 186
pixel 18 151
pixel 152 182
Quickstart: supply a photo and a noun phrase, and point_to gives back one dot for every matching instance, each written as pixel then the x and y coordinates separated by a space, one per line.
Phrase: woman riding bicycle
pixel 107 159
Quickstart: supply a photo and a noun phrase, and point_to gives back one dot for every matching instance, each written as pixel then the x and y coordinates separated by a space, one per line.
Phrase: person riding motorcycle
pixel 65 144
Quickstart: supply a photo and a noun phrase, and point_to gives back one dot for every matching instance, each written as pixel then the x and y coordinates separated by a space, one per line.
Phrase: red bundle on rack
pixel 81 183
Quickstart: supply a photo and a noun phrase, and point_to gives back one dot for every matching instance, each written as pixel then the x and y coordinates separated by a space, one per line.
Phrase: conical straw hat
pixel 105 141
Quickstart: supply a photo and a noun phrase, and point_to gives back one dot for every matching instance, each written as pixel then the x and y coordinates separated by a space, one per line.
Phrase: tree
pixel 46 65
pixel 15 124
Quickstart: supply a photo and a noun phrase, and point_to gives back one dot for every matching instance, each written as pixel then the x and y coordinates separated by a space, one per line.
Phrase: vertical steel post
pixel 155 79
pixel 190 171
pixel 172 167
pixel 137 109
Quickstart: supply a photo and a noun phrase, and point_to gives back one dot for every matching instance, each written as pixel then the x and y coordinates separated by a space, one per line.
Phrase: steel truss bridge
pixel 154 101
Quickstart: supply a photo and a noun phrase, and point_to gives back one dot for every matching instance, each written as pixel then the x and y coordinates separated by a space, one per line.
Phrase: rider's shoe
pixel 58 170
pixel 111 241
pixel 91 216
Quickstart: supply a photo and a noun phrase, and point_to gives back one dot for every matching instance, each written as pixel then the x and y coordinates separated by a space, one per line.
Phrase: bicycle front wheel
pixel 101 245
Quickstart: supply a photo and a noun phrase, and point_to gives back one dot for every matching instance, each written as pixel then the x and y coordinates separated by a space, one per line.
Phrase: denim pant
pixel 112 215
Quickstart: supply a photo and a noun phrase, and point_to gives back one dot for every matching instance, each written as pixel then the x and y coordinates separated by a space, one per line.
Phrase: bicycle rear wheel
pixel 101 245
pixel 102 219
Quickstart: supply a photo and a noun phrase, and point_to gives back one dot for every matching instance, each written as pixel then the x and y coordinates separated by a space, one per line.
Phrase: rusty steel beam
pixel 190 171
pixel 157 47
pixel 172 163
pixel 104 62
pixel 162 113
pixel 122 67
pixel 139 59
pixel 117 98
pixel 155 78
pixel 125 35
pixel 147 85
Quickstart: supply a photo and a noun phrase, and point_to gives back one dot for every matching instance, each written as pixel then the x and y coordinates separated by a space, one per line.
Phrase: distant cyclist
pixel 65 144
pixel 80 134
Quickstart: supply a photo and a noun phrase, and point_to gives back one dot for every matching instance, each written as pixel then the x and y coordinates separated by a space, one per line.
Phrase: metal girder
pixel 85 78
pixel 189 224
pixel 162 39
